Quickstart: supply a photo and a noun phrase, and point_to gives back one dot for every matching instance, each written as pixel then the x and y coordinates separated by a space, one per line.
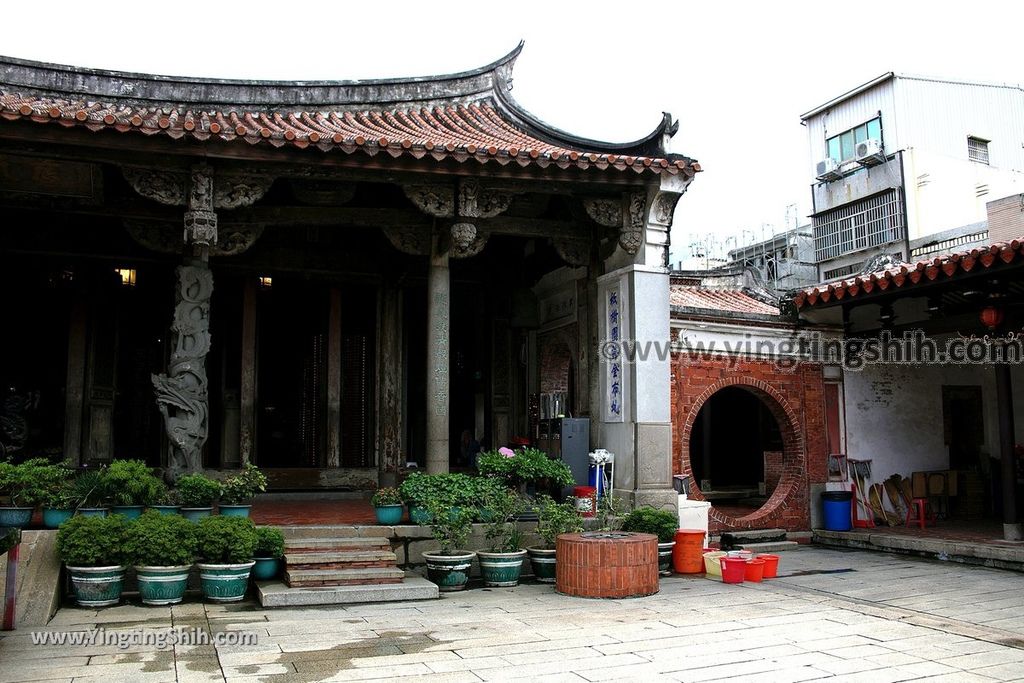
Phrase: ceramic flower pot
pixel 225 582
pixel 196 514
pixel 419 515
pixel 388 515
pixel 542 560
pixel 234 510
pixel 166 509
pixel 129 511
pixel 501 569
pixel 266 568
pixel 17 517
pixel 97 586
pixel 54 518
pixel 665 557
pixel 449 572
pixel 162 585
pixel 93 512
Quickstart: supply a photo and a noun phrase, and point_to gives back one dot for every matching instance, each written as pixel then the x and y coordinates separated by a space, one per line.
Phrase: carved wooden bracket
pixel 171 187
pixel 200 218
pixel 413 241
pixel 627 214
pixel 434 200
pixel 575 252
pixel 165 236
pixel 465 203
pixel 466 240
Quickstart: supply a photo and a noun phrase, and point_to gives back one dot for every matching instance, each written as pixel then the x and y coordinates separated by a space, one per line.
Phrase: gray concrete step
pixel 338 544
pixel 768 547
pixel 731 540
pixel 338 557
pixel 342 577
pixel 277 594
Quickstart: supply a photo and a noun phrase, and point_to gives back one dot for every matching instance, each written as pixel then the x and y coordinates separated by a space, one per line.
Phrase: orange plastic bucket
pixel 771 565
pixel 688 553
pixel 755 571
pixel 733 569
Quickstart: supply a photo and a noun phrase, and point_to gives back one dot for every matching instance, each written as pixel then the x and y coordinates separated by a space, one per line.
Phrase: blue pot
pixel 93 512
pixel 266 568
pixel 162 585
pixel 196 514
pixel 224 582
pixel 389 515
pixel 97 586
pixel 419 515
pixel 54 518
pixel 234 510
pixel 449 572
pixel 129 511
pixel 166 509
pixel 19 518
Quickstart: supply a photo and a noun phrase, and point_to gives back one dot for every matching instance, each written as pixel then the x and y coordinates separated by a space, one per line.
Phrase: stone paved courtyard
pixel 840 615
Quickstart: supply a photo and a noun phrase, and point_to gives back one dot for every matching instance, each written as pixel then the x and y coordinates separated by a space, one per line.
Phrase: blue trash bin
pixel 836 506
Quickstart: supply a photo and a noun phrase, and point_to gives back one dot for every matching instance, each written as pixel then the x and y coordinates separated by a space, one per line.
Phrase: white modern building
pixel 904 165
pixel 783 261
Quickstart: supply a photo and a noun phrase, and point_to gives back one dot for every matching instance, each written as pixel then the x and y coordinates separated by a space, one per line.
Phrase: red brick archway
pixel 795 399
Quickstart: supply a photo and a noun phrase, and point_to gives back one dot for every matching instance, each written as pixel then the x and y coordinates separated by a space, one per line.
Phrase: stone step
pixel 277 594
pixel 336 531
pixel 768 547
pixel 343 577
pixel 733 539
pixel 339 557
pixel 336 544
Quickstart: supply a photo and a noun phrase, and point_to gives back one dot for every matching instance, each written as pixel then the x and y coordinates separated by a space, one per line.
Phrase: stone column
pixel 438 353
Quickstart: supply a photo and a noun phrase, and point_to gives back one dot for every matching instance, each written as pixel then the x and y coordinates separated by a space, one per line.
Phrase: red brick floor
pixel 983 531
pixel 313 512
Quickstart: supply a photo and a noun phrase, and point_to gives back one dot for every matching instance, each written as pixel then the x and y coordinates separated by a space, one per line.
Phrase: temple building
pixel 328 279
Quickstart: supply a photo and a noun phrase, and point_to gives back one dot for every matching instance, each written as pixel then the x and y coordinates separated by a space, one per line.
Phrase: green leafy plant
pixel 554 519
pixel 648 520
pixel 450 526
pixel 243 487
pixel 27 484
pixel 608 515
pixel 503 536
pixel 61 495
pixel 197 490
pixel 226 540
pixel 90 488
pixel 93 541
pixel 156 540
pixel 131 482
pixel 269 542
pixel 526 465
pixel 452 489
pixel 386 496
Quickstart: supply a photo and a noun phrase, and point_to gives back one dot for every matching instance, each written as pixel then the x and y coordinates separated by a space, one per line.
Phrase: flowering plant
pixel 523 466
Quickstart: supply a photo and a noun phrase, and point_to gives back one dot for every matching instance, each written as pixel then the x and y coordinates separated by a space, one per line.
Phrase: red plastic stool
pixel 920 506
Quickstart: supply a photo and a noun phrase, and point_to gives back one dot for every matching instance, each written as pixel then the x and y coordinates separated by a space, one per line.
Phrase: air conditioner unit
pixel 828 169
pixel 869 152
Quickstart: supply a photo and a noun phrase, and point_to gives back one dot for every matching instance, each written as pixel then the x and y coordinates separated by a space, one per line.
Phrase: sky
pixel 736 75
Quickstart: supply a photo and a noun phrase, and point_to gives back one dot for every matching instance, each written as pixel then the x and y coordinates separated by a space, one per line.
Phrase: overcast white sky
pixel 737 75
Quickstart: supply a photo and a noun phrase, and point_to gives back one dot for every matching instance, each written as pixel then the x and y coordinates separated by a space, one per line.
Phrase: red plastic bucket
pixel 771 565
pixel 733 569
pixel 586 500
pixel 688 552
pixel 754 571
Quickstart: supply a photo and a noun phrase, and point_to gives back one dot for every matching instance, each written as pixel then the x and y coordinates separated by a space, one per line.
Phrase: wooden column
pixel 247 388
pixel 334 380
pixel 74 392
pixel 438 317
pixel 389 393
pixel 1012 530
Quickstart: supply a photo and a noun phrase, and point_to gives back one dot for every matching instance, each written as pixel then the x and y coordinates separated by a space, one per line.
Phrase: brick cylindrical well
pixel 606 564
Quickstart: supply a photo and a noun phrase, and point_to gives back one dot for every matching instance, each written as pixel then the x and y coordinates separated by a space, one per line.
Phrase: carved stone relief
pixel 166 187
pixel 606 212
pixel 176 188
pixel 434 200
pixel 663 210
pixel 165 237
pixel 480 202
pixel 631 235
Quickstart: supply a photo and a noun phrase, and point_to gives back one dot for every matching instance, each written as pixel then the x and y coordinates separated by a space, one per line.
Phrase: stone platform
pixel 277 594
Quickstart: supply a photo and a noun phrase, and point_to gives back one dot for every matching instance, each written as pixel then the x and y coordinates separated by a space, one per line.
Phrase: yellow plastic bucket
pixel 712 565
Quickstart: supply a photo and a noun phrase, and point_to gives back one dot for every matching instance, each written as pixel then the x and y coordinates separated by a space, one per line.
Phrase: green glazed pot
pixel 54 518
pixel 225 582
pixel 129 511
pixel 449 572
pixel 162 585
pixel 234 510
pixel 19 517
pixel 196 514
pixel 166 509
pixel 97 586
pixel 388 515
pixel 501 569
pixel 266 568
pixel 543 562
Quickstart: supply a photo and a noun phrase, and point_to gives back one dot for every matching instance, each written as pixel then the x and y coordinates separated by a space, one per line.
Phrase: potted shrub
pixel 449 566
pixel 238 491
pixel 166 503
pixel 60 501
pixel 502 562
pixel 553 519
pixel 487 490
pixel 661 523
pixel 268 554
pixel 90 492
pixel 196 494
pixel 387 505
pixel 92 548
pixel 162 548
pixel 453 490
pixel 526 466
pixel 130 486
pixel 226 548
pixel 414 491
pixel 25 486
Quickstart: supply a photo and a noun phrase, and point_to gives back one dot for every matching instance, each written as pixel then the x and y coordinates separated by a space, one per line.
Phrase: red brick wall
pixel 772 469
pixel 796 399
pixel 554 351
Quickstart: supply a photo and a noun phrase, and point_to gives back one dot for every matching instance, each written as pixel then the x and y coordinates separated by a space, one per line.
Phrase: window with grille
pixel 977 150
pixel 859 225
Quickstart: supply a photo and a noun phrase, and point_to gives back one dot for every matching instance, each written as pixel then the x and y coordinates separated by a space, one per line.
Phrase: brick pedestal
pixel 607 564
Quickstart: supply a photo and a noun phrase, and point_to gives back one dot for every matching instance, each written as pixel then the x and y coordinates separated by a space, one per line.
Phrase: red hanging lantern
pixel 991 316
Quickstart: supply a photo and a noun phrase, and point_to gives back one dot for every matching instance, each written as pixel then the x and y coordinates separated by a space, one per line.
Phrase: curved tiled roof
pixel 461 116
pixel 722 300
pixel 910 275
